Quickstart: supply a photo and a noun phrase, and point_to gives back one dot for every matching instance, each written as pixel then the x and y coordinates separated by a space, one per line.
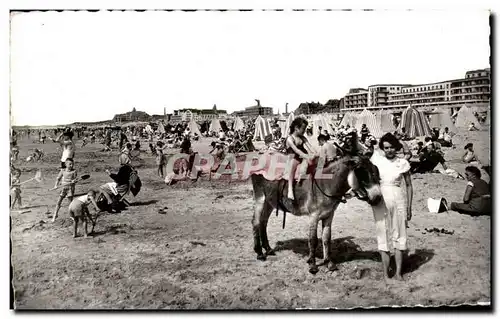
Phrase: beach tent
pixel 262 128
pixel 215 126
pixel 368 118
pixel 161 128
pixel 348 119
pixel 465 116
pixel 385 121
pixel 442 119
pixel 288 122
pixel 487 120
pixel 193 127
pixel 238 124
pixel 318 120
pixel 415 123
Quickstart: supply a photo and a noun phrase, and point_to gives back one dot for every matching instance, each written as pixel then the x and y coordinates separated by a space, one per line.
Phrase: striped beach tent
pixel 288 122
pixel 262 128
pixel 238 124
pixel 442 119
pixel 193 127
pixel 385 121
pixel 348 119
pixel 415 123
pixel 465 117
pixel 320 120
pixel 215 126
pixel 368 118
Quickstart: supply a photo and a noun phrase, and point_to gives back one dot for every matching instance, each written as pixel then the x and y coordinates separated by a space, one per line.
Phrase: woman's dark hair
pixel 474 170
pixel 391 139
pixel 468 145
pixel 297 122
pixel 421 143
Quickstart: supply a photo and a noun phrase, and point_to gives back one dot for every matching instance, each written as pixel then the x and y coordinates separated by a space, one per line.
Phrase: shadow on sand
pixel 113 230
pixel 345 250
pixel 146 203
pixel 342 250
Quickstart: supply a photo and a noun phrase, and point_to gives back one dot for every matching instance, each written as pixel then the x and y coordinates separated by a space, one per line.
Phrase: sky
pixel 84 66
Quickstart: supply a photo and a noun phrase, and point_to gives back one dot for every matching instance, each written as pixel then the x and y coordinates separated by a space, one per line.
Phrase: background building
pixel 254 111
pixel 356 99
pixel 197 114
pixel 474 88
pixel 132 116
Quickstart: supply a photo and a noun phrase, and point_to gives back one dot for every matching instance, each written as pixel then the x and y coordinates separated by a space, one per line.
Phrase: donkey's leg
pixel 257 225
pixel 313 243
pixel 327 241
pixel 266 212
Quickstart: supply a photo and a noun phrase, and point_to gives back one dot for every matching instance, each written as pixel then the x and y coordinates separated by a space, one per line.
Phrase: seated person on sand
pixel 428 160
pixel 472 127
pixel 125 180
pixel 469 156
pixel 477 198
pixel 124 158
pixel 249 144
pixel 437 145
pixel 420 148
pixel 222 135
pixel 445 138
pixel 403 135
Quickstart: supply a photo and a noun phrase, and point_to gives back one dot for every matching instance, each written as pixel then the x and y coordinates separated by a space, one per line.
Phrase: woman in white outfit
pixel 392 214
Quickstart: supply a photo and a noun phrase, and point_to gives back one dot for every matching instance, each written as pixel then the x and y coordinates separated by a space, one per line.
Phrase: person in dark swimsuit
pixel 295 145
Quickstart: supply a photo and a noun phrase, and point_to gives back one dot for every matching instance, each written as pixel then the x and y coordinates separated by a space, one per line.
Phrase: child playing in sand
pixel 84 141
pixel 67 177
pixel 79 211
pixel 15 188
pixel 160 159
pixel 295 144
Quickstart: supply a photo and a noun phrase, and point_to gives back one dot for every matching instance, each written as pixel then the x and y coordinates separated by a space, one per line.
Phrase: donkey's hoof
pixel 313 269
pixel 261 257
pixel 310 261
pixel 270 252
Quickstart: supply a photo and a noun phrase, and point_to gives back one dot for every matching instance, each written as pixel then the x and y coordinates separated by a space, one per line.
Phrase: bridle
pixel 315 183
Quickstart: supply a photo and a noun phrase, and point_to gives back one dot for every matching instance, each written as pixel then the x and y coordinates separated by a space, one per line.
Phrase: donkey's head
pixel 364 179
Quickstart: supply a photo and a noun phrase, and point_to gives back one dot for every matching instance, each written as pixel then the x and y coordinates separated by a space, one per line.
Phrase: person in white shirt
pixel 445 138
pixel 222 136
pixel 67 145
pixel 392 214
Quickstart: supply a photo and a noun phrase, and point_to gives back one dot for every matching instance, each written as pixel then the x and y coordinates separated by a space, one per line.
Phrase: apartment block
pixel 472 89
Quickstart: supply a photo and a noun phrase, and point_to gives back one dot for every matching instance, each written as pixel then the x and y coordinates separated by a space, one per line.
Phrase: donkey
pixel 317 198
